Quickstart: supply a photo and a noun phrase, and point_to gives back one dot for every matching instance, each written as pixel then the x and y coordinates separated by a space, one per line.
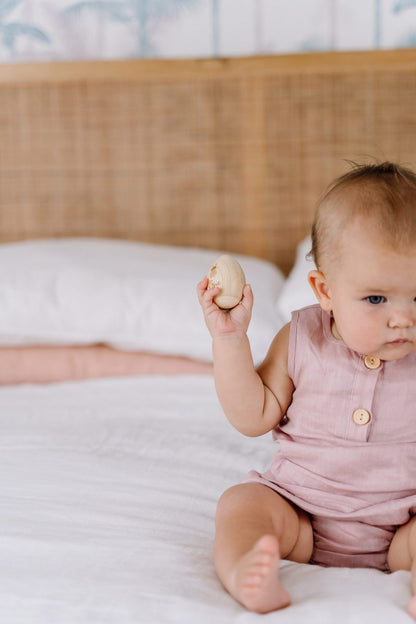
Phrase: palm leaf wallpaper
pixel 33 30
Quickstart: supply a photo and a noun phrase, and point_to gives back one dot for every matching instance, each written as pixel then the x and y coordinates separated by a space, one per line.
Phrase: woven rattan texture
pixel 231 154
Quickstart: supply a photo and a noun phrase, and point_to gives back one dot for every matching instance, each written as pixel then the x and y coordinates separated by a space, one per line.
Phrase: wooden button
pixel 371 361
pixel 361 416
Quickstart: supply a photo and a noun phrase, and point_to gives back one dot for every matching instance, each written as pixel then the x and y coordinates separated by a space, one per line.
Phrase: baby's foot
pixel 411 608
pixel 256 579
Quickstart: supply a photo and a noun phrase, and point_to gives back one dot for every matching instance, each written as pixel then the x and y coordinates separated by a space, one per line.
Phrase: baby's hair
pixel 383 195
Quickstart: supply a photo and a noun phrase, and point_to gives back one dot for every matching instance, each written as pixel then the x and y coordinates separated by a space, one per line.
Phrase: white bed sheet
pixel 108 494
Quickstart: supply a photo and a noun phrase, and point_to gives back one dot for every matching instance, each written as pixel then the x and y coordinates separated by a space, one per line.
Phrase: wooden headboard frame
pixel 230 154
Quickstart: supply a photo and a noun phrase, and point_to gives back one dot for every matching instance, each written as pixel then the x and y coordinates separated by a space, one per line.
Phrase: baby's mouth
pixel 398 341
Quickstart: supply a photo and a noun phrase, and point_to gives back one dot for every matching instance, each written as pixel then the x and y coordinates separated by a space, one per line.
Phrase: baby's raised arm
pixel 253 401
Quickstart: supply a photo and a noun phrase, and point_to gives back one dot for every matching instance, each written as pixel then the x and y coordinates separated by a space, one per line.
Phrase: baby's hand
pixel 219 321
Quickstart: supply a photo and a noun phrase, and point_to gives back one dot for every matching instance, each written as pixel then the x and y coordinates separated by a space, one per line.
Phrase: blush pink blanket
pixel 47 364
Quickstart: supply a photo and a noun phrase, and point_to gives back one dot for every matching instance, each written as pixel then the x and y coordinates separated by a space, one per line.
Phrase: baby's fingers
pixel 247 299
pixel 201 287
pixel 205 294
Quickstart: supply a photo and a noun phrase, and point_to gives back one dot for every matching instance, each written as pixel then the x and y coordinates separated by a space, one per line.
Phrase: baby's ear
pixel 321 289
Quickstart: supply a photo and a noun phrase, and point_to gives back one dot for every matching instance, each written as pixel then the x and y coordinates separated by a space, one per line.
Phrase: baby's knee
pixel 246 500
pixel 402 551
pixel 231 500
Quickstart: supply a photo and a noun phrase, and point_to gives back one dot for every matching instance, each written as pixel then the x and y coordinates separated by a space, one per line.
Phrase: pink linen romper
pixel 347 445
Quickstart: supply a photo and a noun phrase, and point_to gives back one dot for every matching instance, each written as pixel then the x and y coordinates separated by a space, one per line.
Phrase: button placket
pixel 360 417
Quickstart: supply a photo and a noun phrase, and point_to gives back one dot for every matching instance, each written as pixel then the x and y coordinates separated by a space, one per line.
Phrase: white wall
pixel 67 29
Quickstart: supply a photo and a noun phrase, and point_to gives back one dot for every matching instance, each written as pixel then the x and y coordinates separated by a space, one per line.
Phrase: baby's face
pixel 372 294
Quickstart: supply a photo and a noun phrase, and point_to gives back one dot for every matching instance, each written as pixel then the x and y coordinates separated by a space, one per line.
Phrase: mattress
pixel 109 489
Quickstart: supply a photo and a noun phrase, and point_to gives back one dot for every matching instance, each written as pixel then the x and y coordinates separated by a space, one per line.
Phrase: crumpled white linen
pixel 108 495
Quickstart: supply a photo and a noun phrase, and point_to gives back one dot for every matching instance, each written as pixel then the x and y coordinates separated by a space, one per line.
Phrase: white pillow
pixel 129 295
pixel 296 292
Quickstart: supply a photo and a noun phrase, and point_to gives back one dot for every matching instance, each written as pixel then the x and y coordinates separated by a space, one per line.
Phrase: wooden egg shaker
pixel 227 274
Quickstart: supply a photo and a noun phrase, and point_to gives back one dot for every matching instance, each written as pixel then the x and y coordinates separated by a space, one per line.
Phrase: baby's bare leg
pixel 255 528
pixel 402 556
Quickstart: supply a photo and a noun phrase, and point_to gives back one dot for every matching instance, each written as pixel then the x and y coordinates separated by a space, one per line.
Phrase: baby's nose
pixel 402 318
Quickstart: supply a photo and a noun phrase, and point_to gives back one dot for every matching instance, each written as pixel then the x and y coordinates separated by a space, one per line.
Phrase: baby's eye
pixel 375 299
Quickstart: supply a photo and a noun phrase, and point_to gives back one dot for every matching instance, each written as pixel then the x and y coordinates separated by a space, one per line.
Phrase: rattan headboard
pixel 229 154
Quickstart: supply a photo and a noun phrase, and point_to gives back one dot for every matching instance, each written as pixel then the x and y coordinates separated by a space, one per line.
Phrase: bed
pixel 120 183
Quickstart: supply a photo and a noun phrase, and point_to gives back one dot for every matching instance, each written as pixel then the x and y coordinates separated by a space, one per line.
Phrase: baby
pixel 338 390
